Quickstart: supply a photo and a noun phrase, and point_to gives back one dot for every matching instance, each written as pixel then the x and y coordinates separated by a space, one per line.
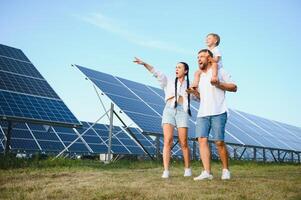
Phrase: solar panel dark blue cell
pixel 20 106
pixel 92 139
pixel 151 124
pixel 132 105
pixel 114 89
pixel 77 147
pixel 26 85
pixel 12 53
pixel 19 67
pixel 21 133
pixel 136 150
pixel 66 137
pixel 243 136
pixel 51 146
pixel 134 85
pixel 229 138
pixel 150 97
pixel 157 91
pixel 24 144
pixel 97 148
pixel 119 149
pixel 43 135
pixel 127 141
pixel 96 75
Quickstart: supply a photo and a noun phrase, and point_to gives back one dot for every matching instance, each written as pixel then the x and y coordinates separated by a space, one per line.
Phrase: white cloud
pixel 114 27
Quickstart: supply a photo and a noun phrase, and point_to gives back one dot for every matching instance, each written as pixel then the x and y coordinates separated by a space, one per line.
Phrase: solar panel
pixel 25 95
pixel 144 105
pixel 29 138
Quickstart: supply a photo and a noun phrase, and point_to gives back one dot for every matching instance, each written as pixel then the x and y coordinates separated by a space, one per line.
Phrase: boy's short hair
pixel 218 39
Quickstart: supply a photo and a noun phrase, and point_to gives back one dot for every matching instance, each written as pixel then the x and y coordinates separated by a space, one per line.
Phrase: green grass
pixel 131 179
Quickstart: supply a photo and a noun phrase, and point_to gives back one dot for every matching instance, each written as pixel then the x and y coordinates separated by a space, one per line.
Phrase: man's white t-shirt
pixel 217 53
pixel 212 99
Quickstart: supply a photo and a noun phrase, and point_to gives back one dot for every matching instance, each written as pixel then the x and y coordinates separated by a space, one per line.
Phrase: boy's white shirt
pixel 217 53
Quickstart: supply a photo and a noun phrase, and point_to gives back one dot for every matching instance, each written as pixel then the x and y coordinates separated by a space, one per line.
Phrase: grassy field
pixel 86 179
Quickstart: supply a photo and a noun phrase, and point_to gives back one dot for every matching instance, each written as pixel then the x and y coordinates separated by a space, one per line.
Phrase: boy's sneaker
pixel 187 172
pixel 226 174
pixel 165 174
pixel 204 175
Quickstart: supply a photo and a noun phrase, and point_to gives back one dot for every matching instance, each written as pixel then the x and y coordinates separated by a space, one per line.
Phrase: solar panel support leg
pixel 263 155
pixel 292 156
pixel 254 152
pixel 194 150
pixel 133 135
pixel 279 159
pixel 299 157
pixel 8 137
pixel 235 153
pixel 110 133
pixel 158 155
pixel 273 155
pixel 283 158
pixel 241 155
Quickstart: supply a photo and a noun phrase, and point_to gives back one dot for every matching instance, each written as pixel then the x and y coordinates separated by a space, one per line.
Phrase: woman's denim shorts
pixel 175 116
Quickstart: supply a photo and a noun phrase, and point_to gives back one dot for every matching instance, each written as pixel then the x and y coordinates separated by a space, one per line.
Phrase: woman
pixel 176 112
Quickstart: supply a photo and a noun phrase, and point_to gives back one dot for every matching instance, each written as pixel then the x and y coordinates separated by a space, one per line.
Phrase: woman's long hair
pixel 186 66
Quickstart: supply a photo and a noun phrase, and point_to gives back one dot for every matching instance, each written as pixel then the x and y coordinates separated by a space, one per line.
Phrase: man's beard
pixel 203 65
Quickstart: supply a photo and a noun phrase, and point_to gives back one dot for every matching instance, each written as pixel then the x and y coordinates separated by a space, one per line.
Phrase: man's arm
pixel 230 87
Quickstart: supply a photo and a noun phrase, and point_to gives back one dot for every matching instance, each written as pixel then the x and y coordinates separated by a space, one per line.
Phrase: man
pixel 212 113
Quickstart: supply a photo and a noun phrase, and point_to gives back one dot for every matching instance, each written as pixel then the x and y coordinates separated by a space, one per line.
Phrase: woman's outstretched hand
pixel 138 61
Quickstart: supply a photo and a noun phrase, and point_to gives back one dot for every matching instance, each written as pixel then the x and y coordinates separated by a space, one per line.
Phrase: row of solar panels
pixel 144 105
pixel 32 138
pixel 52 139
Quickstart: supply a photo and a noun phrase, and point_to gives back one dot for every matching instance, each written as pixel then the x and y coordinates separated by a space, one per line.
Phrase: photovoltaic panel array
pixel 30 138
pixel 144 105
pixel 25 95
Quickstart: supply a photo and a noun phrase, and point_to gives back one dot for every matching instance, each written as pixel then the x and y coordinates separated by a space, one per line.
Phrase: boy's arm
pixel 216 59
pixel 196 79
pixel 214 78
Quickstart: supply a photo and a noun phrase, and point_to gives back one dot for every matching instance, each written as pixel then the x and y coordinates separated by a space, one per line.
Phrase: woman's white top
pixel 168 85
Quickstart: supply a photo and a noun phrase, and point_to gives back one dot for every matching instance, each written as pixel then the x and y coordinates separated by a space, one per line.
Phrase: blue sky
pixel 259 41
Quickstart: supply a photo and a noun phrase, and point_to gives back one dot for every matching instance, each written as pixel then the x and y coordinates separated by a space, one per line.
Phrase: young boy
pixel 212 41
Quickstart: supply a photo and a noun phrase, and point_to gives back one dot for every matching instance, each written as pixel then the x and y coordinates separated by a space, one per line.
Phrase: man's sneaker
pixel 204 175
pixel 187 172
pixel 226 174
pixel 165 174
